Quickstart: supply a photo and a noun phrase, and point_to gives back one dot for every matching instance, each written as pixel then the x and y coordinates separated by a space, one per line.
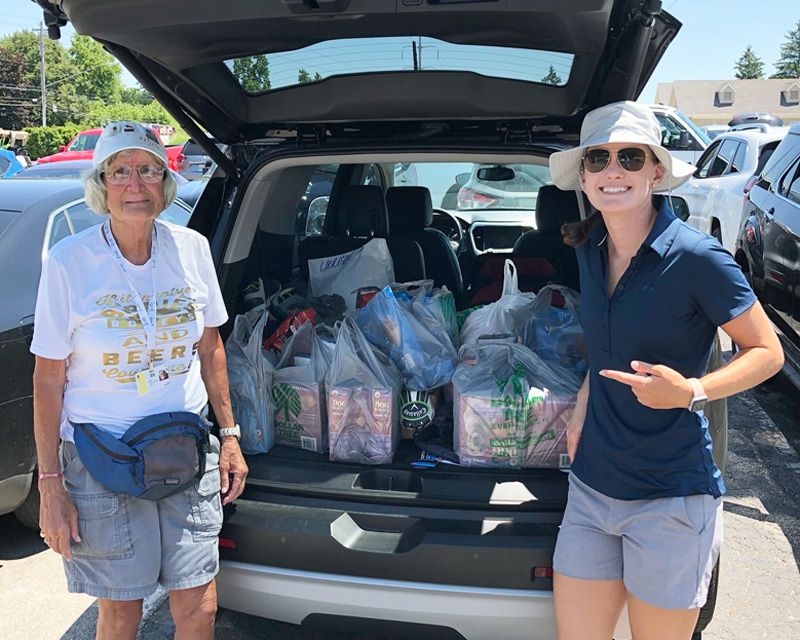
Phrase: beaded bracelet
pixel 44 475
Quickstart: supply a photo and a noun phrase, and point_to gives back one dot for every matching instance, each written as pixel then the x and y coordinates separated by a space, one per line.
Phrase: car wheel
pixel 28 512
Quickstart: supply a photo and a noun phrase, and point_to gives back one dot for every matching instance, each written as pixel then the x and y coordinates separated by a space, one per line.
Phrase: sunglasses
pixel 629 158
pixel 148 173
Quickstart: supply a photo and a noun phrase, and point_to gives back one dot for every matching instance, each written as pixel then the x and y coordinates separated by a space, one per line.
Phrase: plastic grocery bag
pixel 510 407
pixel 298 392
pixel 362 389
pixel 434 307
pixel 555 334
pixel 250 381
pixel 367 266
pixel 510 315
pixel 423 353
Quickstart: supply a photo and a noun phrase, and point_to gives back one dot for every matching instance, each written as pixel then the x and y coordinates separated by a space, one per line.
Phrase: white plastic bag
pixel 298 392
pixel 510 315
pixel 250 381
pixel 363 389
pixel 367 266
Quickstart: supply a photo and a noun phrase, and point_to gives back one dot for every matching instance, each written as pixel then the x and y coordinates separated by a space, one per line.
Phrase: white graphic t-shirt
pixel 86 314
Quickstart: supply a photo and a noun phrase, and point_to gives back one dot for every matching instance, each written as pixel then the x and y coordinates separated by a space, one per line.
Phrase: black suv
pixel 389 549
pixel 768 245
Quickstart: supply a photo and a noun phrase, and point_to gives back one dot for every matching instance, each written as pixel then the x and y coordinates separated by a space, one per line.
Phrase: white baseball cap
pixel 627 122
pixel 121 136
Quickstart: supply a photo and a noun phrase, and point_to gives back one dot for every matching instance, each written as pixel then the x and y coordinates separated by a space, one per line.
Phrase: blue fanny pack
pixel 156 457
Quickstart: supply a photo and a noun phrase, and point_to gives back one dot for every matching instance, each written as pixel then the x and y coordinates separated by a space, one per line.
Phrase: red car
pixel 81 147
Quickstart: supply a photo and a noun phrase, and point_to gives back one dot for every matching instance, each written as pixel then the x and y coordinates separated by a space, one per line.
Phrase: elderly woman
pixel 126 327
pixel 643 523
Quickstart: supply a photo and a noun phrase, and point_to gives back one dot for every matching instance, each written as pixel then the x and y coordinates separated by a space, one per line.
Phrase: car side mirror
pixel 685 140
pixel 62 148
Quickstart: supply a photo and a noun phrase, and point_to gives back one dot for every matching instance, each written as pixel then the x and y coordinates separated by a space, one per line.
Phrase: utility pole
pixel 41 74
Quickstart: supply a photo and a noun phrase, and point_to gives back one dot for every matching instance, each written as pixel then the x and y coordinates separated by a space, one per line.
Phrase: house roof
pixel 697 98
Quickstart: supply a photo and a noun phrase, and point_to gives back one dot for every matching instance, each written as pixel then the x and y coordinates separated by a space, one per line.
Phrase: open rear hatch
pixel 241 69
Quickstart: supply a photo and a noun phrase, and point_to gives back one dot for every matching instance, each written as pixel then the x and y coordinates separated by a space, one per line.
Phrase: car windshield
pixel 695 128
pixel 84 142
pixel 265 72
pixel 50 171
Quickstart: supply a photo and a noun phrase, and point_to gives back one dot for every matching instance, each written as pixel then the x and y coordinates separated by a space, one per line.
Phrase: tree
pixel 552 77
pixel 97 73
pixel 749 66
pixel 17 102
pixel 252 72
pixel 304 76
pixel 135 95
pixel 788 65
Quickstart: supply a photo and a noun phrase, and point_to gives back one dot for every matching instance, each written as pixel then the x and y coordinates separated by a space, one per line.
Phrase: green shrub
pixel 44 141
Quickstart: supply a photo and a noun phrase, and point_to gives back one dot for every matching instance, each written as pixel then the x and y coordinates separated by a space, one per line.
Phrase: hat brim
pixel 565 168
pixel 132 147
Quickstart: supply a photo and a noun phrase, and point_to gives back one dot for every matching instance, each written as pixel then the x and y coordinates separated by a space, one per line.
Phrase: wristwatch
pixel 699 397
pixel 235 431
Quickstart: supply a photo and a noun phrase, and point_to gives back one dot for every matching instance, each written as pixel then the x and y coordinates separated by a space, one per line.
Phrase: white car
pixel 682 137
pixel 715 193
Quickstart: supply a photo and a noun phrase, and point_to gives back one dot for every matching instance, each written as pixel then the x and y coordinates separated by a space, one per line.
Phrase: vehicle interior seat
pixel 357 216
pixel 554 208
pixel 410 216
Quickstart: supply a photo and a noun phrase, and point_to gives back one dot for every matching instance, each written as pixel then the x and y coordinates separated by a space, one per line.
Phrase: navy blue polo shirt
pixel 680 286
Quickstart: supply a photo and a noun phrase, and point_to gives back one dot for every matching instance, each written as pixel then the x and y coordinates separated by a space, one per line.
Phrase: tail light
pixel 180 162
pixel 541 572
pixel 227 543
pixel 749 186
pixel 471 199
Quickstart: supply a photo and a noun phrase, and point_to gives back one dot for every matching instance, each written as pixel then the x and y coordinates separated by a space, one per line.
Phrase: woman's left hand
pixel 232 469
pixel 655 386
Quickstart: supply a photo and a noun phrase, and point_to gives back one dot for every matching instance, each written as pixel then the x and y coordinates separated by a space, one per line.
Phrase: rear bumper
pixel 476 613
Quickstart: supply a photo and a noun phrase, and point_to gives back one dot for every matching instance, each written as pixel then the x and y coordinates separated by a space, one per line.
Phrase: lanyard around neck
pixel 147 315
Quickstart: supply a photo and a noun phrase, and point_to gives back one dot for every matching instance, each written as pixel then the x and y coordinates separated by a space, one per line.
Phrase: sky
pixel 714 35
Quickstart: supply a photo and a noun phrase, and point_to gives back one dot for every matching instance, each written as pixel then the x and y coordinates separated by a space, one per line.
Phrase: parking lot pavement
pixel 759 577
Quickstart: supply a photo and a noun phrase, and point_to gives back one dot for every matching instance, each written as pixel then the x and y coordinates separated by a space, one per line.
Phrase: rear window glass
pixel 260 73
pixel 84 142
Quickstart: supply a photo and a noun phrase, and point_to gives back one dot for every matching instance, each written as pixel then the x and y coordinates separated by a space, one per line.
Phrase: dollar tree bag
pixel 555 333
pixel 510 407
pixel 250 372
pixel 362 388
pixel 298 392
pixel 423 353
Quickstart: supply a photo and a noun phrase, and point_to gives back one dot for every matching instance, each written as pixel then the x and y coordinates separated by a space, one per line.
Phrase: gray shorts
pixel 664 549
pixel 129 545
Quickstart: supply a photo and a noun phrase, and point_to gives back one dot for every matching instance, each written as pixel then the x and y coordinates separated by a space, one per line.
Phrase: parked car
pixel 35 215
pixel 9 165
pixel 81 147
pixel 388 549
pixel 64 170
pixel 679 134
pixel 760 117
pixel 715 193
pixel 768 244
pixel 193 161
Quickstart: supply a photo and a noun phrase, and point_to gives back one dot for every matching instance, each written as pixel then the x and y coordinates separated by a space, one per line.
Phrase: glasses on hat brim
pixel 148 173
pixel 629 158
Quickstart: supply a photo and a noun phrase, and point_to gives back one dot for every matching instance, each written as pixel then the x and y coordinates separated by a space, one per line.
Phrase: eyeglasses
pixel 629 158
pixel 148 173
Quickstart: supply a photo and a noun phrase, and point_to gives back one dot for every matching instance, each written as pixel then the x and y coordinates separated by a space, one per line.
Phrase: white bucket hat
pixel 628 122
pixel 125 135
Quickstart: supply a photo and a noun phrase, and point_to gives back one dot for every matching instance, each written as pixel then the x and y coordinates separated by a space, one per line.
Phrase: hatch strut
pixel 647 20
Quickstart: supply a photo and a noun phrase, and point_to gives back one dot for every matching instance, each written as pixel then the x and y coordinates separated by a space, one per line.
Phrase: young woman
pixel 643 523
